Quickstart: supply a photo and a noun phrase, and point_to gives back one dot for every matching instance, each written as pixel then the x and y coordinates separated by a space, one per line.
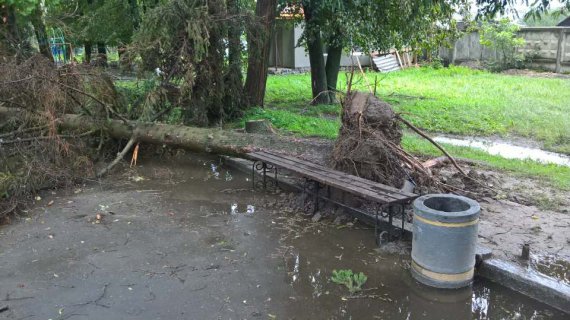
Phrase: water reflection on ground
pixel 390 292
pixel 507 150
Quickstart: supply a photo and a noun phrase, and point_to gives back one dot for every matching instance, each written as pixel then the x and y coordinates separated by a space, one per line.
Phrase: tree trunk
pixel 316 58
pixel 233 100
pixel 88 50
pixel 332 69
pixel 101 54
pixel 9 32
pixel 258 42
pixel 135 15
pixel 41 33
pixel 212 140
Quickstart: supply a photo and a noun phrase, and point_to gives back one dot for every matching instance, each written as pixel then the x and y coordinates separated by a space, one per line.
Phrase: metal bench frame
pixel 389 202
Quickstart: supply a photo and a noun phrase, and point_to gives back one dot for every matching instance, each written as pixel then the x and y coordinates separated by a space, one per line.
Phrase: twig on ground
pixel 119 157
pixel 368 296
pixel 9 134
pixel 97 301
pixel 47 137
pixel 8 298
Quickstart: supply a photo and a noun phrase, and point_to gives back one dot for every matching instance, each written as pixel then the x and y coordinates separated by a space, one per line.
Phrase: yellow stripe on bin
pixel 444 277
pixel 446 224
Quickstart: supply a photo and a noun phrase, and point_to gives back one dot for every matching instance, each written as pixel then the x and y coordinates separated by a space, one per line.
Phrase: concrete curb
pixel 530 283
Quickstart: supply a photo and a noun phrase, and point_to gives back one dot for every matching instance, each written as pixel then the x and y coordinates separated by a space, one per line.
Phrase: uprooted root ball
pixel 365 146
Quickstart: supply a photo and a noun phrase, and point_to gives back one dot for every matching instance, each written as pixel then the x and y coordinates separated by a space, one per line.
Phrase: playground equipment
pixel 61 51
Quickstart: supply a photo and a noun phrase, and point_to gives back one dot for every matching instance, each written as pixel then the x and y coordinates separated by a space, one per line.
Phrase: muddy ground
pixel 518 210
pixel 187 239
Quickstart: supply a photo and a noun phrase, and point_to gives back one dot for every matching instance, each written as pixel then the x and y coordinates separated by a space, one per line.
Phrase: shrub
pixel 501 36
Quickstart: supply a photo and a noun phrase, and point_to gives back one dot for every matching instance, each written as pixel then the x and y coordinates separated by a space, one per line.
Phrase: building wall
pixel 290 56
pixel 549 44
pixel 283 43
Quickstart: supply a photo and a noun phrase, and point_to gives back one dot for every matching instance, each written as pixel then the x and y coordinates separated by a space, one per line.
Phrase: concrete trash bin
pixel 445 239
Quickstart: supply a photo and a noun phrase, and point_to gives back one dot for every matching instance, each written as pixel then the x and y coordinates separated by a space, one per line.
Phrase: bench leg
pixel 380 236
pixel 264 169
pixel 259 166
pixel 316 196
pixel 264 176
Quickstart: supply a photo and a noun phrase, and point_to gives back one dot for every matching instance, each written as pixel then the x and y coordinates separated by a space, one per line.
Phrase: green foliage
pixel 502 37
pixel 353 281
pixel 187 41
pixel 383 25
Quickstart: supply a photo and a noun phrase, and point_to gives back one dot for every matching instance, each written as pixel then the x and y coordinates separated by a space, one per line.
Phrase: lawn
pixel 454 100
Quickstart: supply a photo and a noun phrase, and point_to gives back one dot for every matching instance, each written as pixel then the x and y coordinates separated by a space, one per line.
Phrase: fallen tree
pixel 211 140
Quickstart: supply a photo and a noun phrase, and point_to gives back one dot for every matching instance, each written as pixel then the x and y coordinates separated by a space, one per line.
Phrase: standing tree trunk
pixel 88 50
pixel 315 48
pixel 258 43
pixel 101 54
pixel 9 33
pixel 40 31
pixel 233 100
pixel 332 69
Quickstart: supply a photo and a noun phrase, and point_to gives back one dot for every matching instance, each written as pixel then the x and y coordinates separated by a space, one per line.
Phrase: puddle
pixel 552 266
pixel 173 250
pixel 507 150
pixel 389 292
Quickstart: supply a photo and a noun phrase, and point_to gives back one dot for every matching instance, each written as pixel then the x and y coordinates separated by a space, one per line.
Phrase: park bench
pixel 388 202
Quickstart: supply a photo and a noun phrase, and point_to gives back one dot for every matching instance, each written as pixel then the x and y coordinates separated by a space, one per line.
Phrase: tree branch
pixel 437 145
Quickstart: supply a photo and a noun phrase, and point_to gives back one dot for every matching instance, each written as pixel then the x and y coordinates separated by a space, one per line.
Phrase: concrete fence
pixel 549 45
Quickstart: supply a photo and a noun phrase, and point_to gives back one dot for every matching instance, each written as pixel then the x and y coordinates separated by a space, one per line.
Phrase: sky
pixel 520 7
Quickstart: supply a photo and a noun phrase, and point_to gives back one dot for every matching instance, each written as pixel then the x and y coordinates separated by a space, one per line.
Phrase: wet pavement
pixel 190 240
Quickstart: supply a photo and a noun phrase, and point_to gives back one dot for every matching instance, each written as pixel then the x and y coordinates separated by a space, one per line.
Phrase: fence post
pixel 561 38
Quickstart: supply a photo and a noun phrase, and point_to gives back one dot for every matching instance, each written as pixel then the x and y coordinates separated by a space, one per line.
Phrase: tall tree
pixel 314 42
pixel 234 96
pixel 343 25
pixel 258 43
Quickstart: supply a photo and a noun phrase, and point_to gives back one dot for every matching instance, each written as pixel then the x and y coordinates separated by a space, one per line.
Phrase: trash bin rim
pixel 470 214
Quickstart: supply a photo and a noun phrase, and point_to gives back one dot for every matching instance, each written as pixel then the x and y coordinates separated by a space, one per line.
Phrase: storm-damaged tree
pixel 377 25
pixel 196 46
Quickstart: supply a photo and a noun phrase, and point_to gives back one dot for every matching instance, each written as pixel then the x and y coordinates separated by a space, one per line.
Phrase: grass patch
pixel 301 125
pixel 455 100
pixel 305 125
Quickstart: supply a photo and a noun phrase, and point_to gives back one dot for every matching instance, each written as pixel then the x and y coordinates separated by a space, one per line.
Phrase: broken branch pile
pixel 34 154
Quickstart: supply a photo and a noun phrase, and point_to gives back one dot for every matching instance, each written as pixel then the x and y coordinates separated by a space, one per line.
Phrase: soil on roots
pixel 369 132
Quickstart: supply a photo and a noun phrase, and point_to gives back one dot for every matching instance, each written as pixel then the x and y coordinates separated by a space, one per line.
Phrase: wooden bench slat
pixel 375 186
pixel 342 178
pixel 364 183
pixel 337 179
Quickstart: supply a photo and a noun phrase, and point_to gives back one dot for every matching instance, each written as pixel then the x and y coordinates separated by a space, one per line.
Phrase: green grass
pixel 308 125
pixel 455 100
pixel 300 124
